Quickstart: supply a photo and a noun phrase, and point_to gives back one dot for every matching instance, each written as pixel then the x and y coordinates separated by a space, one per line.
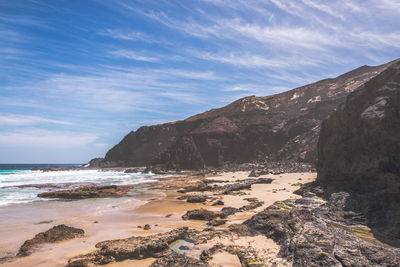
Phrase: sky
pixel 77 76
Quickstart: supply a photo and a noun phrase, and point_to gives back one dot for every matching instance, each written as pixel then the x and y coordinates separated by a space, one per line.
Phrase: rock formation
pixel 283 127
pixel 129 248
pixel 359 152
pixel 56 234
pixel 312 232
pixel 84 192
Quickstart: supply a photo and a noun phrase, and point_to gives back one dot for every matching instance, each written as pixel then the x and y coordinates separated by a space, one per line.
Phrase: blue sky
pixel 76 76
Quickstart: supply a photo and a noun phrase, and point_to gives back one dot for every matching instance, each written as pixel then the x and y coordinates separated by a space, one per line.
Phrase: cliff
pixel 359 152
pixel 282 127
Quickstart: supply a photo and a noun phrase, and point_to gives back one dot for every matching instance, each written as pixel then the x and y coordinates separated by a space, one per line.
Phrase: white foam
pixel 11 193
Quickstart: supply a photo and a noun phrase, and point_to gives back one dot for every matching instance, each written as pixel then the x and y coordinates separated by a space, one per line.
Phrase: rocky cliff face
pixel 359 151
pixel 283 127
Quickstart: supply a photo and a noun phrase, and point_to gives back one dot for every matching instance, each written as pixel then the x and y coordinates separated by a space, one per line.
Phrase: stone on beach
pixel 89 192
pixel 56 234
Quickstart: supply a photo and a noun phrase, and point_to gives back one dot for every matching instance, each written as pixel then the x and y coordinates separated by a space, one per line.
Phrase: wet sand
pixel 155 204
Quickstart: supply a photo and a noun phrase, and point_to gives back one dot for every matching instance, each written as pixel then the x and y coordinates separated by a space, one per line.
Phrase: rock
pixel 209 228
pixel 253 173
pixel 239 229
pixel 281 127
pixel 216 222
pixel 308 238
pixel 236 187
pixel 196 198
pixel 359 152
pixel 140 247
pixel 56 234
pixel 257 173
pixel 199 187
pixel 229 211
pixel 174 259
pixel 146 227
pixel 202 214
pixel 218 203
pixel 229 188
pixel 89 192
pixel 261 181
pixel 254 203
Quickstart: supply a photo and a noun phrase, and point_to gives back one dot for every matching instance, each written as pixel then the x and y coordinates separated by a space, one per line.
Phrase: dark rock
pixel 246 184
pixel 253 173
pixel 216 222
pixel 257 173
pixel 146 227
pixel 212 181
pixel 174 259
pixel 236 187
pixel 227 211
pixel 56 234
pixel 254 203
pixel 89 192
pixel 199 187
pixel 359 152
pixel 239 229
pixel 130 248
pixel 202 214
pixel 281 127
pixel 196 198
pixel 218 203
pixel 308 238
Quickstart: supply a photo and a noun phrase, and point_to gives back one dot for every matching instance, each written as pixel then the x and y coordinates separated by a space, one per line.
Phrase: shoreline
pixel 120 217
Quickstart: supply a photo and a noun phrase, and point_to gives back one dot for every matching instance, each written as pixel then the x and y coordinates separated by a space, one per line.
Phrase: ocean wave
pixel 23 186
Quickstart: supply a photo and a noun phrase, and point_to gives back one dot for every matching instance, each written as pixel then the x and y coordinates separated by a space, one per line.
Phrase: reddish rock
pixel 281 127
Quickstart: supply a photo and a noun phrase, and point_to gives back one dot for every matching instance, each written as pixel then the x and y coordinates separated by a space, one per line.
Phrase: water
pixel 19 184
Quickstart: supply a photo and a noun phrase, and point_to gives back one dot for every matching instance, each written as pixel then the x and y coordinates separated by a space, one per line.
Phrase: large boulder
pixel 359 152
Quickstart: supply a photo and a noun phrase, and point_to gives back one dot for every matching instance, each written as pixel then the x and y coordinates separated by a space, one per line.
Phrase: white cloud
pixel 45 139
pixel 127 35
pixel 324 8
pixel 13 119
pixel 132 55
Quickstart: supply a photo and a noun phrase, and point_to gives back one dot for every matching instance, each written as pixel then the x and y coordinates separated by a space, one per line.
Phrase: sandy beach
pixel 156 204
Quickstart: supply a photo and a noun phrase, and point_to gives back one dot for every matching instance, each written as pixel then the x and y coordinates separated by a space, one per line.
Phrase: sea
pixel 20 184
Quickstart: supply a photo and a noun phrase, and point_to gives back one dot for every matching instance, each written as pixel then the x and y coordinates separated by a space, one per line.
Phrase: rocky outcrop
pixel 129 248
pixel 174 259
pixel 56 234
pixel 283 127
pixel 314 233
pixel 89 192
pixel 359 152
pixel 203 214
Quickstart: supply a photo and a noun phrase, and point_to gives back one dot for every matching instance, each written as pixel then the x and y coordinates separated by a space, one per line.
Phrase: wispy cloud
pixel 127 35
pixel 132 55
pixel 40 138
pixel 13 119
